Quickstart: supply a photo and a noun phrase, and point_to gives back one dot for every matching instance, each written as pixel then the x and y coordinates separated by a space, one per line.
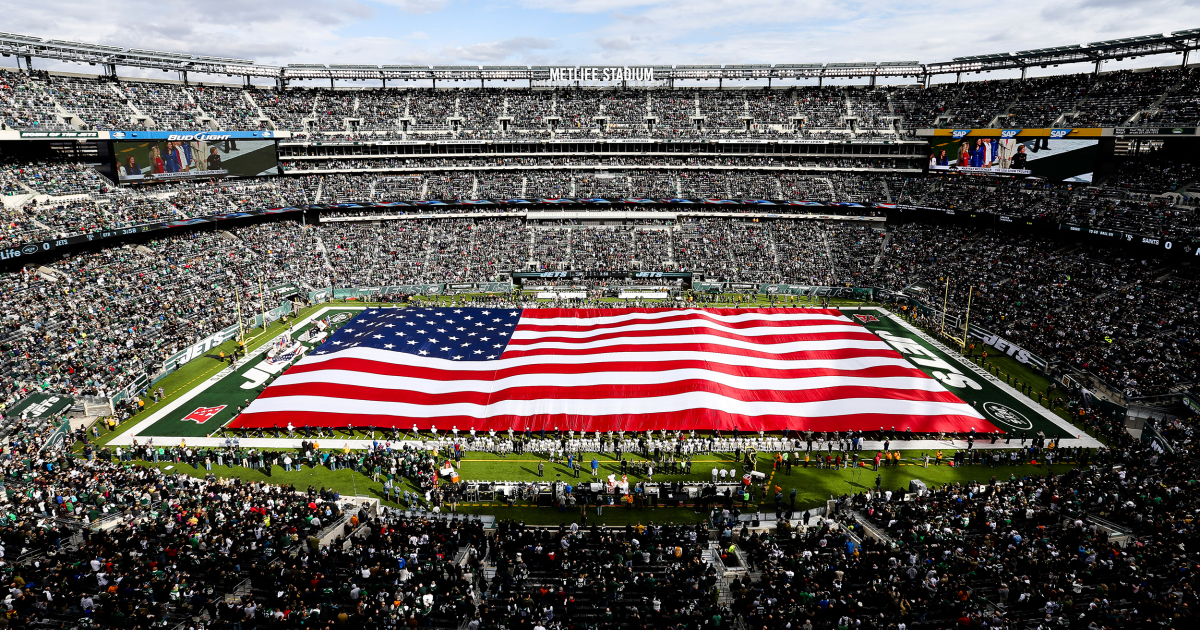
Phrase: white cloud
pixel 615 43
pixel 265 32
pixel 417 7
pixel 507 49
pixel 596 31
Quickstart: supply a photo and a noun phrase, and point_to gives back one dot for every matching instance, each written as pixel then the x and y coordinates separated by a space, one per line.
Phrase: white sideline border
pixel 126 438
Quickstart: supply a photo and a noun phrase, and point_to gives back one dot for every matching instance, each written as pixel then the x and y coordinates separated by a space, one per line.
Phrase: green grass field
pixel 813 486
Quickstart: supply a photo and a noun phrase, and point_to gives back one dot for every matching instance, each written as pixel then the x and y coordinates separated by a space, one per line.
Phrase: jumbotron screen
pixel 1057 159
pixel 167 160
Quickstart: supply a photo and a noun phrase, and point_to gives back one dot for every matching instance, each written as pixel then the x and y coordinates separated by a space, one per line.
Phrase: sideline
pixel 1082 439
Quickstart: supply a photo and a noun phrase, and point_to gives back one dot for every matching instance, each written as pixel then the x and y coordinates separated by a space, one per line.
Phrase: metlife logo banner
pixel 9 253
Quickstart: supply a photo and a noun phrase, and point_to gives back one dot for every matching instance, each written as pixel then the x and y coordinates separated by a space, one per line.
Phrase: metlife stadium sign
pixel 188 136
pixel 615 74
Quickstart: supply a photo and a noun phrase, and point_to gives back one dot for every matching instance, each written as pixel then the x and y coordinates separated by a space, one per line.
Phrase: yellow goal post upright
pixel 967 321
pixel 241 322
pixel 945 304
pixel 262 302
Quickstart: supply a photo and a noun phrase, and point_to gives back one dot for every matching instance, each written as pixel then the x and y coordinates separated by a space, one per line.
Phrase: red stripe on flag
pixel 694 419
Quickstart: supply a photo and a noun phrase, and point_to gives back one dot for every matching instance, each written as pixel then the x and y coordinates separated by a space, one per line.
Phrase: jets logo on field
pixel 203 414
pixel 867 318
pixel 1007 415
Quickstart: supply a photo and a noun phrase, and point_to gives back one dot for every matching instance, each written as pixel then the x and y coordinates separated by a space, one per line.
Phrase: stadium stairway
pixel 97 407
pixel 139 116
pixel 870 528
pixel 18 200
pixel 64 117
pixel 1153 108
pixel 883 248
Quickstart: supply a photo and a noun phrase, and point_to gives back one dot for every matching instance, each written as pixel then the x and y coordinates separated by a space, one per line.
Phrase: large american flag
pixel 608 369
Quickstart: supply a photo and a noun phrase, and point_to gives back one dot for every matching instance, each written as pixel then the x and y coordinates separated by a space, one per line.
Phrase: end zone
pixel 199 409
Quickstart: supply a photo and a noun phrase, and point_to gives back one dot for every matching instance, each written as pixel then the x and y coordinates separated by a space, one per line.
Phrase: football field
pixel 200 414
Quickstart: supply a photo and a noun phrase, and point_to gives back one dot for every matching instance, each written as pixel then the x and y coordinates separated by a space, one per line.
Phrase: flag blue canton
pixel 454 334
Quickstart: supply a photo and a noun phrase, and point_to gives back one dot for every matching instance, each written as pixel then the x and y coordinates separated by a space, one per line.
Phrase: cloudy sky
pixel 595 31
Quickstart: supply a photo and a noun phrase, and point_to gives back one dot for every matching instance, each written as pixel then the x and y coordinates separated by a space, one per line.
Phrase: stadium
pixel 879 345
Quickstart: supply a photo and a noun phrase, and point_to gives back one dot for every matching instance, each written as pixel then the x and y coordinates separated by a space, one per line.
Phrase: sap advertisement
pixel 1056 159
pixel 193 157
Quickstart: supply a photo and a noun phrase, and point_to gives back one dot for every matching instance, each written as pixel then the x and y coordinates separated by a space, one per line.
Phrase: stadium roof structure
pixel 27 46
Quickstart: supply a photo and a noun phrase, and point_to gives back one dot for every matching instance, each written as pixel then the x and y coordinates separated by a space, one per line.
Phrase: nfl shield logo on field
pixel 203 414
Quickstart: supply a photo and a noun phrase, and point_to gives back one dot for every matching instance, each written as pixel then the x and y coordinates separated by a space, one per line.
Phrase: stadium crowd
pixel 119 539
pixel 171 547
pixel 1154 96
